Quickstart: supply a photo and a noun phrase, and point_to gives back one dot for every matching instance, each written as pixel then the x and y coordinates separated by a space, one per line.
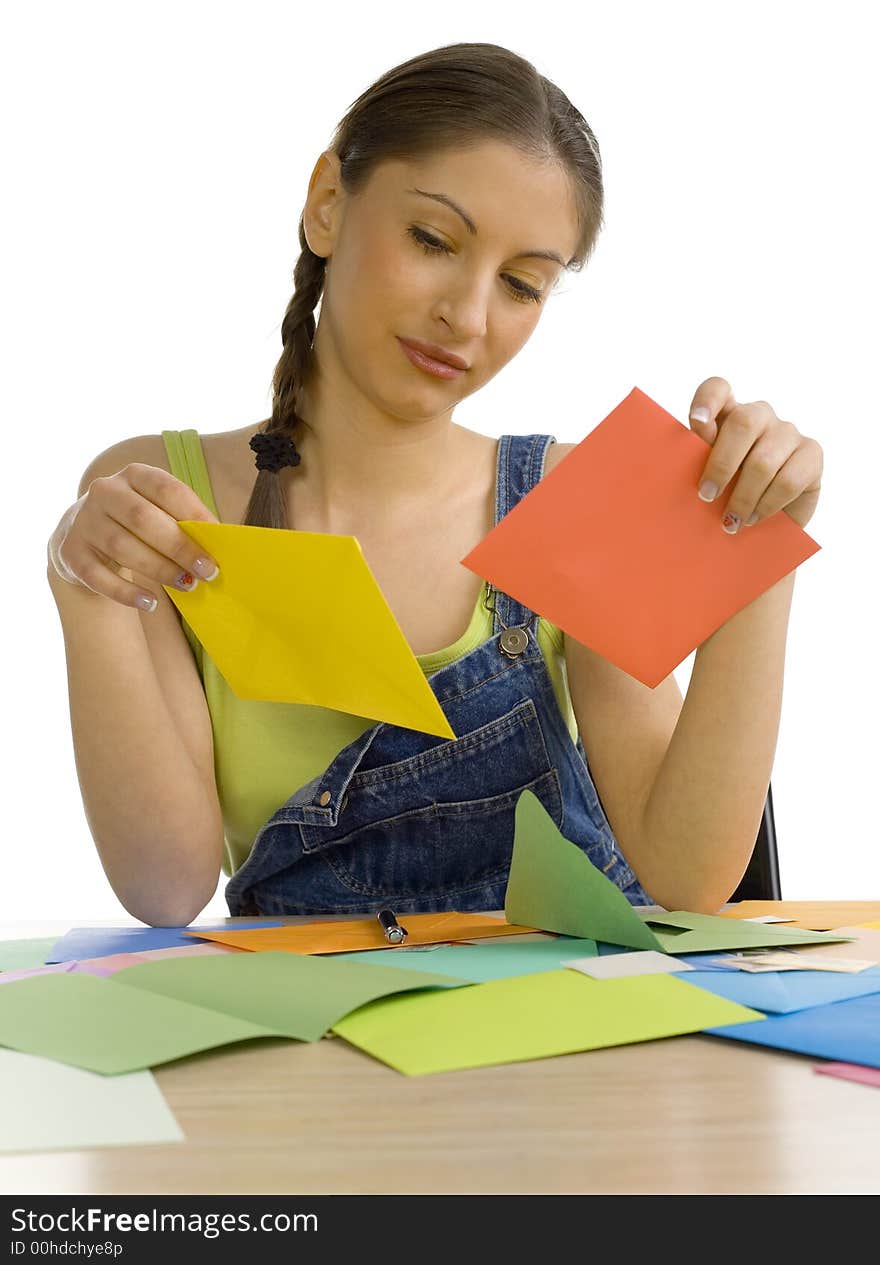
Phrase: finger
pixel 713 400
pixel 739 430
pixel 97 574
pixel 168 493
pixel 770 451
pixel 793 477
pixel 117 544
pixel 155 525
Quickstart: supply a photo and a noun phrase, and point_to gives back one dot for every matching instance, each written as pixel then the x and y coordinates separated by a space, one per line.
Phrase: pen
pixel 394 933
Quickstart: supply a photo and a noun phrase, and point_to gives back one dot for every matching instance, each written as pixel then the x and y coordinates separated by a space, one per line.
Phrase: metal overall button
pixel 513 642
pixel 324 798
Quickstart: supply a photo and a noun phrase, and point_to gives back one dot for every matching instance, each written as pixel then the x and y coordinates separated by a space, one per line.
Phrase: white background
pixel 155 161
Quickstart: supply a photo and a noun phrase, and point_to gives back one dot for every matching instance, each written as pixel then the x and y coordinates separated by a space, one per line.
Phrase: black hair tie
pixel 274 451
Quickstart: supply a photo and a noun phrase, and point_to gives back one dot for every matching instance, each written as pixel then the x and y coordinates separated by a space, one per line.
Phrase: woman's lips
pixel 435 367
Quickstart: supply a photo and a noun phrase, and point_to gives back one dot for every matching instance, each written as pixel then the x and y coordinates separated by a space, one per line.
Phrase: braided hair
pixel 443 99
pixel 267 506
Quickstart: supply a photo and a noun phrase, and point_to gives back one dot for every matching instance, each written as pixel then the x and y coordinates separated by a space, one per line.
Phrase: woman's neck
pixel 361 464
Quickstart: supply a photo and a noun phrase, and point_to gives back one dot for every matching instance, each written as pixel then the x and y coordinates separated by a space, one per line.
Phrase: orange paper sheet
pixel 616 547
pixel 807 915
pixel 348 937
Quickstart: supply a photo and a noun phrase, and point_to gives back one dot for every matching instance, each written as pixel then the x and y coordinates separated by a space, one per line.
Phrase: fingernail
pixel 730 523
pixel 708 490
pixel 207 570
pixel 186 581
pixel 750 522
pixel 700 413
pixel 146 603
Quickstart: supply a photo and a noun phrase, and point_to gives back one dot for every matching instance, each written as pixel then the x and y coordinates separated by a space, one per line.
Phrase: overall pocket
pixel 440 821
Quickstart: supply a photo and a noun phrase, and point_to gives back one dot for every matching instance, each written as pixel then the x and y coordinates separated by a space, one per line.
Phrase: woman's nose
pixel 465 307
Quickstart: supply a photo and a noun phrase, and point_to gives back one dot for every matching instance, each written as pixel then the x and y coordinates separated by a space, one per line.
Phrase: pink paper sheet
pixel 851 1072
pixel 114 962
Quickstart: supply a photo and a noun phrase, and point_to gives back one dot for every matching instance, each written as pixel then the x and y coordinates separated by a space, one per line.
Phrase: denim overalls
pixel 423 823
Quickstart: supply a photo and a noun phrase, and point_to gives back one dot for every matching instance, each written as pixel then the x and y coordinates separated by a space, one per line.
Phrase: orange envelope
pixel 616 548
pixel 348 937
pixel 810 915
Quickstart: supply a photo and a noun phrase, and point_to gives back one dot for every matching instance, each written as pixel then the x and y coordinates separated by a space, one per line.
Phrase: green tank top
pixel 263 752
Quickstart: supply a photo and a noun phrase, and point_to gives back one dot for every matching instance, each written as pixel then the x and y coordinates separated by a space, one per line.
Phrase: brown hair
pixel 448 97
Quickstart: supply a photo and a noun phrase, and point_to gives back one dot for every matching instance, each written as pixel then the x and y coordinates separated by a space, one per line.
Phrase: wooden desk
pixel 683 1115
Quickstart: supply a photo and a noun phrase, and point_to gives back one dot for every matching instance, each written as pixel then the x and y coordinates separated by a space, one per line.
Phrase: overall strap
pixel 520 467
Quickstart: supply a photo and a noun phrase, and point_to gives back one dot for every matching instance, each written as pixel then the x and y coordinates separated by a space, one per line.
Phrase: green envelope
pixel 294 995
pixel 553 885
pixel 492 959
pixel 21 955
pixel 109 1026
pixel 528 1017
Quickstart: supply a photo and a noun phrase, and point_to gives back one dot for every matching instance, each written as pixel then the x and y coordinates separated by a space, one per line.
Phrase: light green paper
pixel 103 1026
pixel 553 885
pixel 681 932
pixel 487 961
pixel 111 1027
pixel 291 995
pixel 561 889
pixel 530 1017
pixel 46 1106
pixel 21 955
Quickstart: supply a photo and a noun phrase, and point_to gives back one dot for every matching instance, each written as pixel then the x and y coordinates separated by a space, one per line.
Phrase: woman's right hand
pixel 129 519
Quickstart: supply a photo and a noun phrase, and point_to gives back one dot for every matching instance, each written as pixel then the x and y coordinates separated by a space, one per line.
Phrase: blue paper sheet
pixel 101 942
pixel 783 992
pixel 845 1032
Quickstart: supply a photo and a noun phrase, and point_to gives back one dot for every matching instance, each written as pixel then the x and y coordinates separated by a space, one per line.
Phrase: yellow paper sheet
pixel 532 1017
pixel 298 617
pixel 810 915
pixel 348 937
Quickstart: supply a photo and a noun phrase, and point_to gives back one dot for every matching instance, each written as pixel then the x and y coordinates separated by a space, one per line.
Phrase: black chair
pixel 761 879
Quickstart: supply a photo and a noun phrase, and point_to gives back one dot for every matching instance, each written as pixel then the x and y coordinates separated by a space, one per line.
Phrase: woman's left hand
pixel 776 467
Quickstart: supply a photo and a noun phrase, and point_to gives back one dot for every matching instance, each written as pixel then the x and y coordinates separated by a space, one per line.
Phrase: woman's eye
pixel 429 244
pixel 432 246
pixel 525 293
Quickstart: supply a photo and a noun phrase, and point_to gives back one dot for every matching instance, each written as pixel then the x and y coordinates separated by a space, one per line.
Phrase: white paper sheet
pixel 616 965
pixel 49 1106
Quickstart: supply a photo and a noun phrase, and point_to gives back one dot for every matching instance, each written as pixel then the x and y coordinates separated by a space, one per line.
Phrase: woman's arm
pixel 702 813
pixel 143 742
pixel 152 811
pixel 684 783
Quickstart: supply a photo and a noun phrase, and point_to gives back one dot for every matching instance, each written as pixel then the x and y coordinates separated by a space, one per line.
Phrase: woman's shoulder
pixel 226 455
pixel 148 450
pixel 555 453
pixel 227 451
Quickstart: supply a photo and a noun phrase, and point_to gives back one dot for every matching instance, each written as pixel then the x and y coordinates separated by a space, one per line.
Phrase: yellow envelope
pixel 298 617
pixel 810 915
pixel 350 936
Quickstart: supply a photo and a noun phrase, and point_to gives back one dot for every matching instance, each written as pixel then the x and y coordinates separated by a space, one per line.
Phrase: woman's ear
pixel 321 211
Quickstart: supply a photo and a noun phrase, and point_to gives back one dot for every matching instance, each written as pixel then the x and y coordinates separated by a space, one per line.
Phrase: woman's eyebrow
pixel 472 228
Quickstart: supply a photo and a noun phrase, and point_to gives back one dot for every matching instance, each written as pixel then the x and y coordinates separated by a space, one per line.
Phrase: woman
pixel 456 191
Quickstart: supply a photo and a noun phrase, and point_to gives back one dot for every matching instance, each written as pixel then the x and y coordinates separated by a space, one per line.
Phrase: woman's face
pixel 404 265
